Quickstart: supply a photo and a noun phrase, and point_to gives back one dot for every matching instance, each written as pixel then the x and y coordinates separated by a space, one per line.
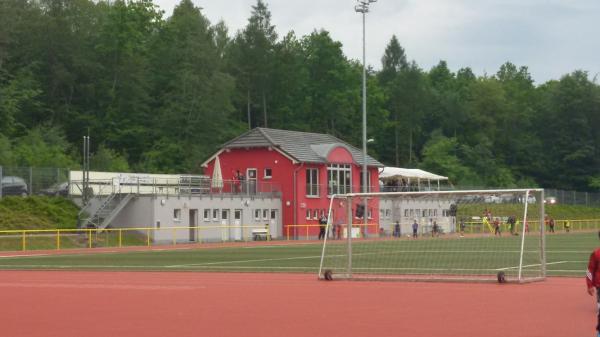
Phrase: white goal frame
pixel 348 274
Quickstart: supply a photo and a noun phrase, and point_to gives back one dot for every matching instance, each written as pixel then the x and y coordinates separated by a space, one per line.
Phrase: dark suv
pixel 14 186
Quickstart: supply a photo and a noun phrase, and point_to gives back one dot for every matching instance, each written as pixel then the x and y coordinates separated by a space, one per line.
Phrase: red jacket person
pixel 593 280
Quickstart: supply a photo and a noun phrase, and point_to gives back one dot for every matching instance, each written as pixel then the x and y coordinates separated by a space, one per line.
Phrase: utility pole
pixel 363 8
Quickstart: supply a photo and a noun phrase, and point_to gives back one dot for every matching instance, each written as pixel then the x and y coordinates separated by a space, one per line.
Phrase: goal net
pixel 472 236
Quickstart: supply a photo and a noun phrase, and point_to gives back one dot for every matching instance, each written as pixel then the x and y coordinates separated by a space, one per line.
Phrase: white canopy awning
pixel 397 172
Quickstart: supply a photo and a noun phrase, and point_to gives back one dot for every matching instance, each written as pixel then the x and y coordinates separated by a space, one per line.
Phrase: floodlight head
pixel 363 6
pixel 361 9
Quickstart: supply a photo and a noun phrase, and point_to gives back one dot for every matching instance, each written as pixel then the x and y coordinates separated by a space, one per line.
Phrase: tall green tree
pixel 194 95
pixel 570 132
pixel 251 61
pixel 124 89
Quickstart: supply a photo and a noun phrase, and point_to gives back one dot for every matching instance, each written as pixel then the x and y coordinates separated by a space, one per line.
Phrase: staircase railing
pixel 94 219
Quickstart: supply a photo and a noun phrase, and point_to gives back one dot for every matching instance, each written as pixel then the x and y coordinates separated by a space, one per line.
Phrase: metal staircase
pixel 109 208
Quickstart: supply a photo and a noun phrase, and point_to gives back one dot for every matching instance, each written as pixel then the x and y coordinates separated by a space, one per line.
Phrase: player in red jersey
pixel 593 280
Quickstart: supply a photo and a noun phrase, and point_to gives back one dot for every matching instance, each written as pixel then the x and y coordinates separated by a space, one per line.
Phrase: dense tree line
pixel 160 93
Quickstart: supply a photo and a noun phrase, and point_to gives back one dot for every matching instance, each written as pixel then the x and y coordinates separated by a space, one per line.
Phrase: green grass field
pixel 567 255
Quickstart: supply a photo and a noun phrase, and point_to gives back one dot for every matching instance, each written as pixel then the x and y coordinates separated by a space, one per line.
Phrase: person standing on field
pixel 497 227
pixel 593 281
pixel 512 221
pixel 397 232
pixel 415 227
pixel 322 226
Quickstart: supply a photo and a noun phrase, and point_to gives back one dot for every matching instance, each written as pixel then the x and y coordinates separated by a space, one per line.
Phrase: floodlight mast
pixel 363 8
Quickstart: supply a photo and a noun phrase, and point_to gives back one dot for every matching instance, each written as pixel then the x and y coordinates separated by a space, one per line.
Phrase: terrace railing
pixel 185 186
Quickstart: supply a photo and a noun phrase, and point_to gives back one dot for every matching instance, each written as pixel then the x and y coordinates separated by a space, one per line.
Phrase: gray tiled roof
pixel 305 147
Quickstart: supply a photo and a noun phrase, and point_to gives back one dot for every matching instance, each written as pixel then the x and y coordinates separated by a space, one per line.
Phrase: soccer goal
pixel 471 236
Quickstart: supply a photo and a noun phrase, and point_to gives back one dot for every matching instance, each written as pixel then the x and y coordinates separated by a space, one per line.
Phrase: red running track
pixel 94 304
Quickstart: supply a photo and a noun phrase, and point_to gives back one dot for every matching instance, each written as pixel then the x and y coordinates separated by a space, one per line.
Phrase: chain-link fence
pixel 27 181
pixel 572 197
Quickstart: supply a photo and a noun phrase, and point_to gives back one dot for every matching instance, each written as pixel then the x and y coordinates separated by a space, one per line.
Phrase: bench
pixel 261 234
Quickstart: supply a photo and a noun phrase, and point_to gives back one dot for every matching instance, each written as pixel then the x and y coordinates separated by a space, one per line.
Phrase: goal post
pixel 469 236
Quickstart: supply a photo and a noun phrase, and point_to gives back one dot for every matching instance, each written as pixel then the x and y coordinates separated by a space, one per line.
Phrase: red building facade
pixel 306 168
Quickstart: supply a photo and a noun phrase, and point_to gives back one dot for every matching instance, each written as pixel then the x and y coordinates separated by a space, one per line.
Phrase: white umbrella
pixel 217 176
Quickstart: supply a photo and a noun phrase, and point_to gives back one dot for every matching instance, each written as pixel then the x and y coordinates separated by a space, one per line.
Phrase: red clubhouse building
pixel 306 168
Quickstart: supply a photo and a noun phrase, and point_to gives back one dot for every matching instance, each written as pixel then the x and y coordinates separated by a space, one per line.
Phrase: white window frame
pixel 308 213
pixel 215 211
pixel 257 214
pixel 270 175
pixel 206 214
pixel 388 213
pixel 312 187
pixel 265 214
pixel 315 214
pixel 177 214
pixel 342 182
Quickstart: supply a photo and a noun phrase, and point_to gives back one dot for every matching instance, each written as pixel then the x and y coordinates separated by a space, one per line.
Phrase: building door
pixel 274 223
pixel 225 225
pixel 237 223
pixel 251 173
pixel 193 224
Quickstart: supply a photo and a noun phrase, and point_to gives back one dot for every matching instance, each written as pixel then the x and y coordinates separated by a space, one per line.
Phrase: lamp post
pixel 363 8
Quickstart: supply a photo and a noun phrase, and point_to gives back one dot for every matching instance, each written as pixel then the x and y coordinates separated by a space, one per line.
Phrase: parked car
pixel 530 199
pixel 57 190
pixel 550 200
pixel 492 199
pixel 14 186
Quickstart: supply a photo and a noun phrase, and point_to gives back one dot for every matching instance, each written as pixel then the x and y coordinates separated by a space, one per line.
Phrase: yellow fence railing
pixel 11 240
pixel 14 240
pixel 303 231
pixel 565 225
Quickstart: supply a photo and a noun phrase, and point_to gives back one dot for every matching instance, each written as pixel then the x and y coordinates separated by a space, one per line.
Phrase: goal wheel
pixel 328 275
pixel 501 277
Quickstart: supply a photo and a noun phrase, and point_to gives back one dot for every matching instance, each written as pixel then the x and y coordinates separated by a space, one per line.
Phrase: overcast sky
pixel 550 37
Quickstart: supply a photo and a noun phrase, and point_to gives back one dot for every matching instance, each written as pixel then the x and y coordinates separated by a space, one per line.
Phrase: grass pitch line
pixel 264 260
pixel 99 286
pixel 64 266
pixel 23 255
pixel 243 261
pixel 534 265
pixel 278 245
pixel 260 268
